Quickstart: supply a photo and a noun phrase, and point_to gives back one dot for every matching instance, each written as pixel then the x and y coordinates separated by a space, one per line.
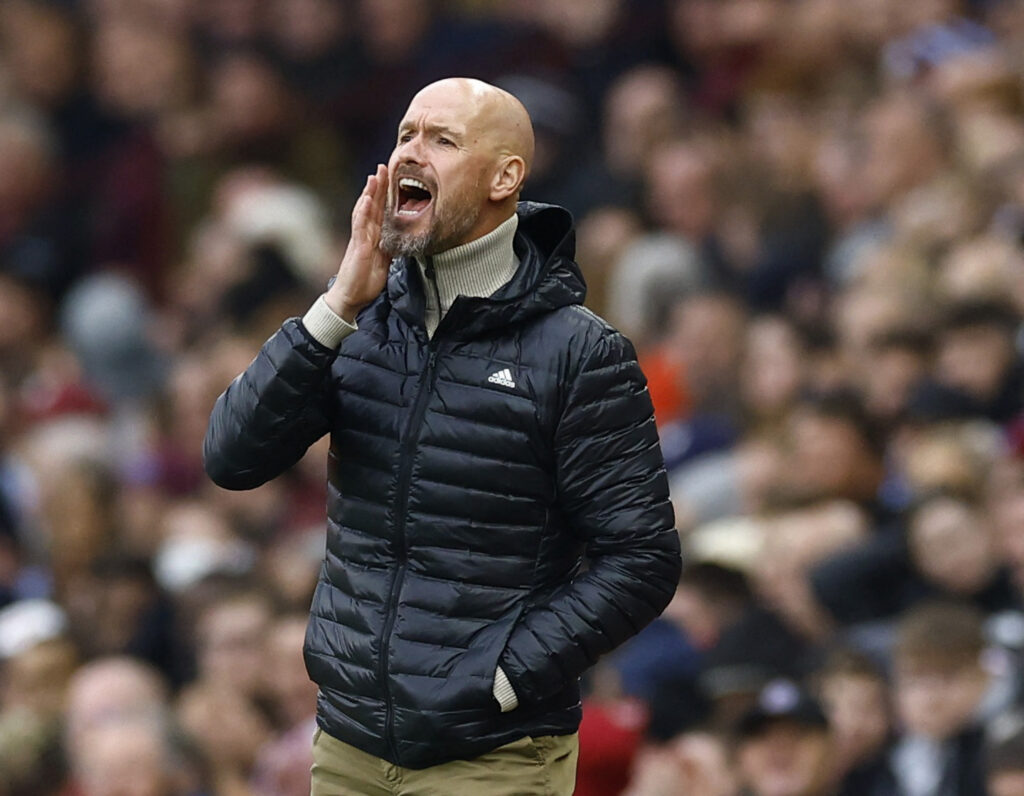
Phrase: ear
pixel 508 178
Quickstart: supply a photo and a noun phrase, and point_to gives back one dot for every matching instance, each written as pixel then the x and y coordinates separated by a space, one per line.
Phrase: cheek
pixel 812 758
pixel 937 562
pixel 963 696
pixel 750 759
pixel 912 703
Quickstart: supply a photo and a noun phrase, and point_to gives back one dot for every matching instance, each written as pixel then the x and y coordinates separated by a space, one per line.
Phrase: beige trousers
pixel 527 767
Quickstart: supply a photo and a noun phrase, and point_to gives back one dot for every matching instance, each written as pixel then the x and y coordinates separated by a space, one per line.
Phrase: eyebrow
pixel 433 128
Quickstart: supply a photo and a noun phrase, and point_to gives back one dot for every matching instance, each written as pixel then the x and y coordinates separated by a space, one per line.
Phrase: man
pixel 783 746
pixel 488 434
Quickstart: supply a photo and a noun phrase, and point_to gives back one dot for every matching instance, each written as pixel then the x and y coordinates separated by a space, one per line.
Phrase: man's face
pixel 786 759
pixel 231 639
pixel 123 760
pixel 952 546
pixel 936 702
pixel 858 713
pixel 438 174
pixel 975 359
pixel 828 456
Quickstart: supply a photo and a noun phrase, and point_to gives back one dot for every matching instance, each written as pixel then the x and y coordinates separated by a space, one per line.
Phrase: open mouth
pixel 413 196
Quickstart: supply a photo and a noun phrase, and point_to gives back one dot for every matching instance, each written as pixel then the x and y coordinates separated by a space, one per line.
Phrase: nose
pixel 410 151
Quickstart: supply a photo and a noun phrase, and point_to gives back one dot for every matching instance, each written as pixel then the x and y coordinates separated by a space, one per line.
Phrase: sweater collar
pixel 475 269
pixel 547 278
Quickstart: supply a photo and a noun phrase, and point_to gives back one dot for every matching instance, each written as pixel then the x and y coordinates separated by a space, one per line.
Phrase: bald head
pixel 464 150
pixel 500 119
pixel 111 689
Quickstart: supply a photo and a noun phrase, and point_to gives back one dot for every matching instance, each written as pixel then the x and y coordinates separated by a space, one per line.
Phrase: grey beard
pixel 445 229
pixel 402 244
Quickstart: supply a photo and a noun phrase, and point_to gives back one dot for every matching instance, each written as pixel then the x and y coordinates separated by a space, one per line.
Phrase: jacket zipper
pixel 408 448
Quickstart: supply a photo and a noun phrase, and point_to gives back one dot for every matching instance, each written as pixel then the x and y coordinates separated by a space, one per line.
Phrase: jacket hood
pixel 548 278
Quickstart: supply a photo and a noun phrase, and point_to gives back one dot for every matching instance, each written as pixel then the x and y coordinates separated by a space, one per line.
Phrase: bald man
pixel 498 512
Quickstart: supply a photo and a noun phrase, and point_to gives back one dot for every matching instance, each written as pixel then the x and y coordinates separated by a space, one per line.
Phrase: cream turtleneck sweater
pixel 476 269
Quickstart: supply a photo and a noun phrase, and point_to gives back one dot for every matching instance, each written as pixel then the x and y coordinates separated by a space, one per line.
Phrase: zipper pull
pixel 428 374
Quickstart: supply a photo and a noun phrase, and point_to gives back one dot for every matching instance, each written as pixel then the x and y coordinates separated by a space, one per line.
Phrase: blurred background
pixel 807 214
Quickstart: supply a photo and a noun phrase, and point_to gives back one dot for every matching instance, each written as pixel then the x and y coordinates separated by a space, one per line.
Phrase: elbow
pixel 675 556
pixel 224 474
pixel 669 567
pixel 228 478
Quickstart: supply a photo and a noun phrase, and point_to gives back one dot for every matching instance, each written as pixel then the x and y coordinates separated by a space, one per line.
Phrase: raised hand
pixel 364 268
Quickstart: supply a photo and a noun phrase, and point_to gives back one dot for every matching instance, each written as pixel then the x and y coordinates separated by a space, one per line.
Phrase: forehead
pixel 449 105
pixel 944 513
pixel 920 667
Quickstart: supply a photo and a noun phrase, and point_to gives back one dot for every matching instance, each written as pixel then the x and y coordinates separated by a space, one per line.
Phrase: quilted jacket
pixel 496 496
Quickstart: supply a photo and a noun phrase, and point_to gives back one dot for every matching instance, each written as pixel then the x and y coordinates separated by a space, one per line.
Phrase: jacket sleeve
pixel 613 492
pixel 269 415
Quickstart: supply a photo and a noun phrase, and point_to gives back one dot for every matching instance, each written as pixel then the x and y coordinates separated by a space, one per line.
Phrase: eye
pixel 445 141
pixel 407 136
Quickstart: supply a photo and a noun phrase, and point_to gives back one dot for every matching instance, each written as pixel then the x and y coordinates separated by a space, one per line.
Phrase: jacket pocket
pixel 472 679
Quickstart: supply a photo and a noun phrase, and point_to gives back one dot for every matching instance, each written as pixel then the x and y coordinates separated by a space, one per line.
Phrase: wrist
pixel 340 307
pixel 326 326
pixel 503 692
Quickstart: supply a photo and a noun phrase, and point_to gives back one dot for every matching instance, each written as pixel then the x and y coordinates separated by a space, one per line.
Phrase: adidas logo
pixel 502 377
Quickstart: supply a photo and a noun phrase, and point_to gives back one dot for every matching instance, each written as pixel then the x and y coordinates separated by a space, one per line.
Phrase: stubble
pixel 450 223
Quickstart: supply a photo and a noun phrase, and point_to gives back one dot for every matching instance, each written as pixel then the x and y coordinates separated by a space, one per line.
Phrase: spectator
pixel 33 246
pixel 230 632
pixel 139 756
pixel 772 373
pixel 834 450
pixel 694 764
pixel 110 691
pixel 229 729
pixel 952 548
pixel 855 697
pixel 976 357
pixel 782 745
pixel 282 766
pixel 896 363
pixel 938 685
pixel 663 665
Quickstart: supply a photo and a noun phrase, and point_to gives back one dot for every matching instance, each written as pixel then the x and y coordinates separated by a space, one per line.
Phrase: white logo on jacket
pixel 502 377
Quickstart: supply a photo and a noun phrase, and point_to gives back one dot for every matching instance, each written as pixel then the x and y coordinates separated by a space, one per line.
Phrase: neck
pixel 478 268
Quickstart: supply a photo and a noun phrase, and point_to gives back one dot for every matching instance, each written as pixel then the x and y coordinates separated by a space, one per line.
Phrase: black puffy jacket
pixel 461 507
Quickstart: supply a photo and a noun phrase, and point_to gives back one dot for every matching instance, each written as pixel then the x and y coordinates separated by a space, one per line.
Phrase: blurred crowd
pixel 808 215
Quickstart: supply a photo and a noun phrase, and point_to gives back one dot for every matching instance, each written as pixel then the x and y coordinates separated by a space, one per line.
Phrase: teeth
pixel 409 182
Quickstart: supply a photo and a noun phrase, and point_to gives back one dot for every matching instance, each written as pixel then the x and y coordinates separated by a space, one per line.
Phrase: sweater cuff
pixel 503 691
pixel 325 325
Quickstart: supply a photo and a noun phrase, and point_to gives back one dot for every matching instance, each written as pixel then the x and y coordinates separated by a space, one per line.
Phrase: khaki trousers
pixel 527 767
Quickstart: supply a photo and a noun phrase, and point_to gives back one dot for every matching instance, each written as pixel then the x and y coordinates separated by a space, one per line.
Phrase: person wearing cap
pixel 783 746
pixel 489 436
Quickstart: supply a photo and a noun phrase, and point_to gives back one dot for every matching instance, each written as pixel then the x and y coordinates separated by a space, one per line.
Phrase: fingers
pixel 359 210
pixel 369 208
pixel 381 191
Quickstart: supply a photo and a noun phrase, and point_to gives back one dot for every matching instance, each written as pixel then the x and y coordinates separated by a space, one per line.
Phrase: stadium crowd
pixel 808 215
